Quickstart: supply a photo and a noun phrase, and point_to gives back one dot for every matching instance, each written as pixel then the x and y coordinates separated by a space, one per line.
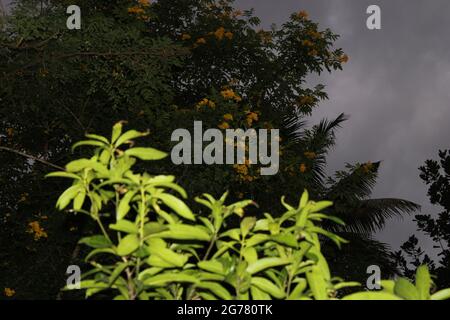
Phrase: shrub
pixel 152 246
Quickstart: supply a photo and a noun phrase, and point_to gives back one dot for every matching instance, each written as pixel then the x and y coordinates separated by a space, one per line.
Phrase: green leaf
pixel 258 294
pixel 67 196
pixel 256 239
pixel 373 295
pixel 63 174
pixel 79 200
pixel 177 205
pixel 213 266
pixel 80 164
pixel 124 205
pixel 298 290
pixel 97 137
pixel 287 239
pixel 98 251
pixel 215 288
pixel 169 256
pixel 304 199
pixel 164 279
pixel 146 153
pixel 128 136
pixel 185 232
pixel 317 283
pixel 423 282
pixel 124 226
pixel 268 287
pixel 97 241
pixel 319 206
pixel 406 289
pixel 247 225
pixel 128 245
pixel 88 143
pixel 116 131
pixel 266 263
pixel 441 295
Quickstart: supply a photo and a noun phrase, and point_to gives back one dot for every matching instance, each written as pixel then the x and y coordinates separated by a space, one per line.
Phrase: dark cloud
pixel 395 89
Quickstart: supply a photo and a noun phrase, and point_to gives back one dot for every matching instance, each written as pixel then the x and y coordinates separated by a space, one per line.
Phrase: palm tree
pixel 350 190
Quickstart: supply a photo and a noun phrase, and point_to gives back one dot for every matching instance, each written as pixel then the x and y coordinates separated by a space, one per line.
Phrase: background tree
pixel 436 175
pixel 160 66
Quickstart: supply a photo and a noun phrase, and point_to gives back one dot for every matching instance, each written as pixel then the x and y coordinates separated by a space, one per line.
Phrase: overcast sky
pixel 395 87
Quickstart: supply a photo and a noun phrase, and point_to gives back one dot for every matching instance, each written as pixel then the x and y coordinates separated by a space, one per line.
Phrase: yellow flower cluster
pixel 343 59
pixel 313 53
pixel 302 168
pixel 185 36
pixel 136 10
pixel 306 100
pixel 206 102
pixel 9 292
pixel 266 36
pixel 37 230
pixel 250 117
pixel 367 167
pixel 307 43
pixel 229 94
pixel 224 125
pixel 10 132
pixel 228 117
pixel 243 171
pixel 139 9
pixel 302 14
pixel 310 155
pixel 315 34
pixel 200 41
pixel 220 33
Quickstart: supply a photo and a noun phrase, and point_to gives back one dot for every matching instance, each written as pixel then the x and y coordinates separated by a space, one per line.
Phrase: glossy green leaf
pixel 128 245
pixel 268 287
pixel 177 205
pixel 146 153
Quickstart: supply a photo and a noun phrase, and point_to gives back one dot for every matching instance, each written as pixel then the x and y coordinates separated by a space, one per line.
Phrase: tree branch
pixel 23 154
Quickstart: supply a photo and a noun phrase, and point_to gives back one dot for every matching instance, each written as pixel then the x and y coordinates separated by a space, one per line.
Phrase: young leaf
pixel 177 205
pixel 268 287
pixel 146 153
pixel 128 245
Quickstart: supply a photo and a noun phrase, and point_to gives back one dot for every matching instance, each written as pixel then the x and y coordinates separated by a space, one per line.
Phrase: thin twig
pixel 23 154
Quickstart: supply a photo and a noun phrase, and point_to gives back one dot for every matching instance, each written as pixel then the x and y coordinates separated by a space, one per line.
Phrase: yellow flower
pixel 219 33
pixel 306 100
pixel 310 155
pixel 10 132
pixel 135 10
pixel 313 53
pixel 302 168
pixel 315 34
pixel 201 41
pixel 206 102
pixel 229 94
pixel 367 167
pixel 38 231
pixel 343 59
pixel 9 292
pixel 237 13
pixel 307 43
pixel 302 14
pixel 224 125
pixel 144 3
pixel 185 36
pixel 229 35
pixel 228 117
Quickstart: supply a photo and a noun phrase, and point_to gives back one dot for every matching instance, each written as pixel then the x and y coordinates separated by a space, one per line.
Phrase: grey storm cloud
pixel 395 88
